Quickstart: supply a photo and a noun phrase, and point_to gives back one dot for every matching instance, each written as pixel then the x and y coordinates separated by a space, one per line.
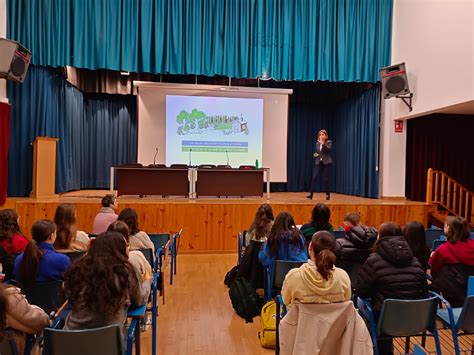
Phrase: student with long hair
pixel 138 238
pixel 68 237
pixel 319 221
pixel 40 262
pixel 11 239
pixel 18 317
pixel 102 285
pixel 319 280
pixel 261 225
pixel 414 233
pixel 284 242
pixel 453 262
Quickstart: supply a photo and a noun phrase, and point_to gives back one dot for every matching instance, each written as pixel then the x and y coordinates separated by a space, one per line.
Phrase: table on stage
pixel 189 181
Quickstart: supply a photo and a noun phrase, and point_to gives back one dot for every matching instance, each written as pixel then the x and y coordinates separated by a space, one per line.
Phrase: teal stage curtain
pixel 335 40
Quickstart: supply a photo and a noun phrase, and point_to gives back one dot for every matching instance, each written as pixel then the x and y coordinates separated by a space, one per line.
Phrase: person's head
pixel 456 229
pixel 65 219
pixel 8 224
pixel 414 233
pixel 262 221
pixel 120 227
pixel 130 217
pixel 109 201
pixel 321 251
pixel 320 217
pixel 352 219
pixel 42 231
pixel 323 135
pixel 102 279
pixel 390 229
pixel 284 232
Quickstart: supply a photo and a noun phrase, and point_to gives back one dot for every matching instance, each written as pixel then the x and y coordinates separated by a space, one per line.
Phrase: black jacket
pixel 451 281
pixel 391 272
pixel 323 153
pixel 250 267
pixel 357 244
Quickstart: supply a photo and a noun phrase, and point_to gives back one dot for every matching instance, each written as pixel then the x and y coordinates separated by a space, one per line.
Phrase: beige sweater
pixel 306 285
pixel 141 240
pixel 22 317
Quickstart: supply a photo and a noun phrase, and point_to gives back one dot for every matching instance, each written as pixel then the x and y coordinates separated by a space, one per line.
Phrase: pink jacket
pixel 324 329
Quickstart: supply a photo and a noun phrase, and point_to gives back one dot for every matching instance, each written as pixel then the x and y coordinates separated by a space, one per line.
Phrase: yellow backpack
pixel 267 333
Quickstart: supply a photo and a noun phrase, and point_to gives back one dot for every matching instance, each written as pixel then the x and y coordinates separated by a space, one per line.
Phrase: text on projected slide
pixel 212 129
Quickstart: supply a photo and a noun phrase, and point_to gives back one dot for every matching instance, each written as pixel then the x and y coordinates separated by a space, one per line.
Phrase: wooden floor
pixel 212 224
pixel 198 317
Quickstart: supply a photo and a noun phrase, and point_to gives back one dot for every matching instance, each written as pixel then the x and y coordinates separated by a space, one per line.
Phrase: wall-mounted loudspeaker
pixel 394 81
pixel 14 60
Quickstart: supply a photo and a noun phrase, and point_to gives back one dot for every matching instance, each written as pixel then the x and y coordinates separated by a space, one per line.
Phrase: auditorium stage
pixel 212 224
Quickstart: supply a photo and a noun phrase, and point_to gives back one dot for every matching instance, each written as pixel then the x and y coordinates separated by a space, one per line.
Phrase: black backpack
pixel 230 276
pixel 244 299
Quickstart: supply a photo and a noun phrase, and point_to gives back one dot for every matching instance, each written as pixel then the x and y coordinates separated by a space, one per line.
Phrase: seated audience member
pixel 284 242
pixel 453 262
pixel 358 240
pixel 261 225
pixel 319 222
pixel 318 281
pixel 40 262
pixel 135 257
pixel 19 318
pixel 12 241
pixel 414 233
pixel 138 239
pixel 102 285
pixel 106 215
pixel 391 271
pixel 68 237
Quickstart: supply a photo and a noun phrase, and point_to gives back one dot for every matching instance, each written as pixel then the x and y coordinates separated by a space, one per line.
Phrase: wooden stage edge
pixel 212 224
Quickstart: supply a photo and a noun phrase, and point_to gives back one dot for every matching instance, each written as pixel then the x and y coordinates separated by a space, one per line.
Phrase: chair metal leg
pixel 436 339
pixel 423 339
pixel 137 339
pixel 277 328
pixel 154 314
pixel 407 345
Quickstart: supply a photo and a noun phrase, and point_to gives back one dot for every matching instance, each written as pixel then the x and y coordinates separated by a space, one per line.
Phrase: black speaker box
pixel 394 81
pixel 14 60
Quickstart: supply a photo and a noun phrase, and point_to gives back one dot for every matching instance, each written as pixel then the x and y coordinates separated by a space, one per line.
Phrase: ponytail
pixel 29 267
pixel 325 262
pixel 323 245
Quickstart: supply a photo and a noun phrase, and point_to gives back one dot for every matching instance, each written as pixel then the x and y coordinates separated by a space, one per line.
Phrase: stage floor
pixel 212 224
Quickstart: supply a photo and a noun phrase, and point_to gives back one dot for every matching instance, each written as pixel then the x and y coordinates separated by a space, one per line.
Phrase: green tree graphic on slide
pixel 191 122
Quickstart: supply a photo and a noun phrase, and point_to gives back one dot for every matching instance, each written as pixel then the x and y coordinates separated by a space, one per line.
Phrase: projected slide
pixel 210 130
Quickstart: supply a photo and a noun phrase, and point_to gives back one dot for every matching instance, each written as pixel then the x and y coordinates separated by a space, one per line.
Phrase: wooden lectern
pixel 44 168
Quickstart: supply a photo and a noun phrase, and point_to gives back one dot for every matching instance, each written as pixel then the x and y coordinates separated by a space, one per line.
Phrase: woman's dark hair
pixel 65 219
pixel 108 200
pixel 8 224
pixel 101 280
pixel 284 231
pixel 262 221
pixel 320 217
pixel 130 217
pixel 323 245
pixel 3 311
pixel 388 229
pixel 40 231
pixel 414 233
pixel 458 229
pixel 120 227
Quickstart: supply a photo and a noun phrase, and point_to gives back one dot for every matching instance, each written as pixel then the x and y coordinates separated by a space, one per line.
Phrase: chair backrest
pixel 164 262
pixel 401 318
pixel 46 295
pixel 338 234
pixel 178 240
pixel 470 286
pixel 240 243
pixel 281 269
pixel 148 254
pixel 179 166
pixel 432 235
pixel 159 239
pixel 105 340
pixel 206 166
pixel 437 243
pixel 74 255
pixel 8 345
pixel 466 318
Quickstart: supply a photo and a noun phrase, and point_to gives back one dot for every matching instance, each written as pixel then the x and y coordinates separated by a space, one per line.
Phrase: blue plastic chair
pixel 275 275
pixel 279 314
pixel 402 318
pixel 240 243
pixel 136 313
pixel 418 350
pixel 175 241
pixel 461 319
pixel 437 243
pixel 338 234
pixel 159 240
pixel 432 235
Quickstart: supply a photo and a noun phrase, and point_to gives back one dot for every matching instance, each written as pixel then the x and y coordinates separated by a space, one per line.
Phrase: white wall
pixel 436 40
pixel 3 34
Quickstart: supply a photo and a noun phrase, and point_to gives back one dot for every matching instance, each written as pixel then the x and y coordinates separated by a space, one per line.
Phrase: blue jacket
pixel 286 252
pixel 51 267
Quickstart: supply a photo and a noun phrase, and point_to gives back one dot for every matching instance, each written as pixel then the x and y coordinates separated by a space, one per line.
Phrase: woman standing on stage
pixel 322 163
